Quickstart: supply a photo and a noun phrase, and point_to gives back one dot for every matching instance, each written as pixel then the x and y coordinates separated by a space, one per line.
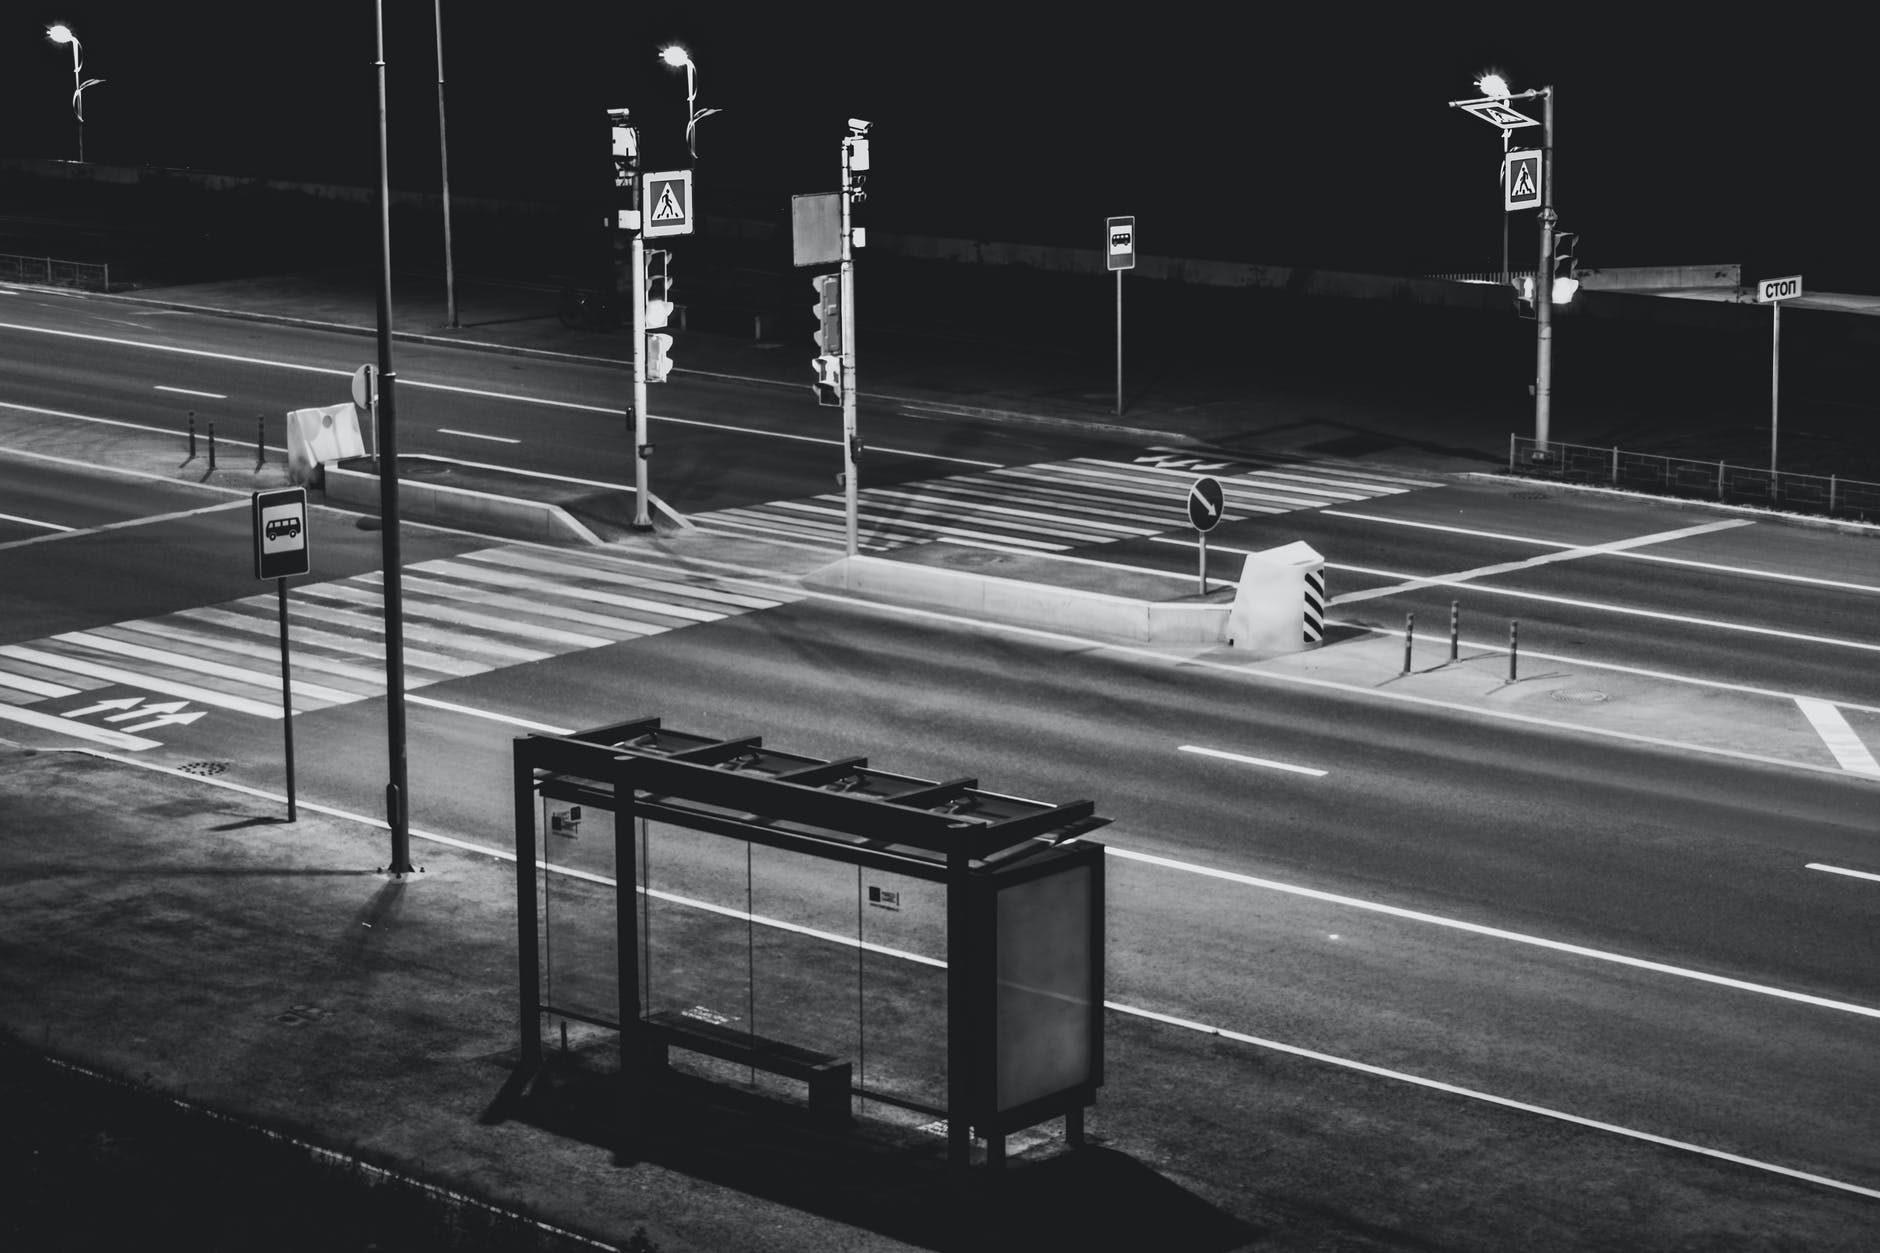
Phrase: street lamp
pixel 1497 108
pixel 60 33
pixel 1495 87
pixel 676 56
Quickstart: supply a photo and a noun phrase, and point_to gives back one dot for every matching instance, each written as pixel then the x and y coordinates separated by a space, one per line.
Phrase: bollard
pixel 192 434
pixel 1409 630
pixel 212 445
pixel 1514 646
pixel 261 449
pixel 1455 629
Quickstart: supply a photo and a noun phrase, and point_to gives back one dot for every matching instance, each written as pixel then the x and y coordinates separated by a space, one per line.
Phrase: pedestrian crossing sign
pixel 1521 179
pixel 668 204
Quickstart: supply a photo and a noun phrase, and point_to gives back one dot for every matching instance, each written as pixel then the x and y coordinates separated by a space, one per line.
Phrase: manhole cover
pixel 1528 495
pixel 204 767
pixel 1578 695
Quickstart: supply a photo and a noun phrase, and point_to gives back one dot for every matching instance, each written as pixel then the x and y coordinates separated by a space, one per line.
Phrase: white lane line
pixel 1490 1098
pixel 1852 874
pixel 1476 928
pixel 1252 761
pixel 1545 559
pixel 1687 562
pixel 576 406
pixel 495 439
pixel 1294 1050
pixel 184 391
pixel 1572 602
pixel 80 730
pixel 128 522
pixel 50 526
pixel 1838 736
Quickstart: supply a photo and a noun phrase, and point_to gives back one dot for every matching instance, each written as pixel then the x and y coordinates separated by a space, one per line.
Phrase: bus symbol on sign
pixel 1771 290
pixel 1121 253
pixel 280 529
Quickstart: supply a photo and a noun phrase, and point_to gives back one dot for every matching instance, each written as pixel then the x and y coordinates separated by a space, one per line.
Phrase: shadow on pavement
pixel 873 1175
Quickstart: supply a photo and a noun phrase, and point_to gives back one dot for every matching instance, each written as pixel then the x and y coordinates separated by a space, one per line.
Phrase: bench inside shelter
pixel 829 1078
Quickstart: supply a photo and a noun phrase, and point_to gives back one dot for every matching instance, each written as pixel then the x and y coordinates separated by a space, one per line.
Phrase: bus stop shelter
pixel 1014 929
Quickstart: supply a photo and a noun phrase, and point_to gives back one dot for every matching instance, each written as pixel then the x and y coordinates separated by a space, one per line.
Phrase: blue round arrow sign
pixel 1204 504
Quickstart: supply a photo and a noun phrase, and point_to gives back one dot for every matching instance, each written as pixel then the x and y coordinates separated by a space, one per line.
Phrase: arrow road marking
pixel 168 707
pixel 125 703
pixel 81 730
pixel 165 720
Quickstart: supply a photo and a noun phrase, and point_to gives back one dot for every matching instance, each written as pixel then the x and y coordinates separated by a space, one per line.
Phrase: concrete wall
pixel 1045 606
pixel 481 512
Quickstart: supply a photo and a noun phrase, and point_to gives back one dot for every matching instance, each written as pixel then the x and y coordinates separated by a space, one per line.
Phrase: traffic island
pixel 450 493
pixel 1040 590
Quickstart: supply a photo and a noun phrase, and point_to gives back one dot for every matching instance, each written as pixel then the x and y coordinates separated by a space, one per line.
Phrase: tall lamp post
pixel 397 787
pixel 1497 108
pixel 60 33
pixel 443 157
pixel 676 56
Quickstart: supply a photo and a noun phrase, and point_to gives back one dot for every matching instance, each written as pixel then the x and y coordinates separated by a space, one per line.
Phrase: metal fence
pixel 1706 480
pixel 52 272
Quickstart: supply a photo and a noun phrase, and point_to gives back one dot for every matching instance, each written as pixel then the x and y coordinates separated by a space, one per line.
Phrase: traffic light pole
pixel 1544 285
pixel 642 515
pixel 850 442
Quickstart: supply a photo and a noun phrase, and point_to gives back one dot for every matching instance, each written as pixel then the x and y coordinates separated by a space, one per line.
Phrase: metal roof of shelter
pixel 839 809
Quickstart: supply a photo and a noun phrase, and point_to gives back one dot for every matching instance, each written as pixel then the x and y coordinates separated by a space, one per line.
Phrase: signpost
pixel 1119 255
pixel 280 529
pixel 1772 292
pixel 1205 503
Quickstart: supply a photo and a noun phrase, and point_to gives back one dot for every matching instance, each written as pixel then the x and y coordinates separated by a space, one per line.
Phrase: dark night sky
pixel 1320 138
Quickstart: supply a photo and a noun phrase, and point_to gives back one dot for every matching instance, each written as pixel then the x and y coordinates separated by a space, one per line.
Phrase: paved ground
pixel 173 931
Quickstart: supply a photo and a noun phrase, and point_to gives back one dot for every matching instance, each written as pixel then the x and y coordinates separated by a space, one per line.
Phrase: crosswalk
pixel 1056 506
pixel 463 615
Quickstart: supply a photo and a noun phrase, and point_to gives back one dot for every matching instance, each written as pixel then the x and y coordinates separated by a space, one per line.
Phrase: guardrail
pixel 1830 495
pixel 52 272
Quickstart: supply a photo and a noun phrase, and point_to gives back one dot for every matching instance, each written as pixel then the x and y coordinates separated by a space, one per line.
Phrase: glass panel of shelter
pixel 575 930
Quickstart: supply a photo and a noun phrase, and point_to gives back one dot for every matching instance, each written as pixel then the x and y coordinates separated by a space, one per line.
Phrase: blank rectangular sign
pixel 816 228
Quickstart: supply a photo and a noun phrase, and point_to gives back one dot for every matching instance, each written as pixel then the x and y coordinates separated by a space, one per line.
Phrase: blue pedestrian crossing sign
pixel 280 533
pixel 666 208
pixel 1521 179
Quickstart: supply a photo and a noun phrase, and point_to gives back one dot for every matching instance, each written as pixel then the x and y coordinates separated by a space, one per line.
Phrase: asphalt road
pixel 1626 932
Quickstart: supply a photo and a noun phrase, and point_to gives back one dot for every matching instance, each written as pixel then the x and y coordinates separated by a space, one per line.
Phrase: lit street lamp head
pixel 675 56
pixel 1492 84
pixel 60 33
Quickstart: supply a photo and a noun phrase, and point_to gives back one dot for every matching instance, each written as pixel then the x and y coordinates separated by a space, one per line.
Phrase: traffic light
pixel 1524 295
pixel 828 311
pixel 658 357
pixel 1566 266
pixel 658 288
pixel 828 380
pixel 658 314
